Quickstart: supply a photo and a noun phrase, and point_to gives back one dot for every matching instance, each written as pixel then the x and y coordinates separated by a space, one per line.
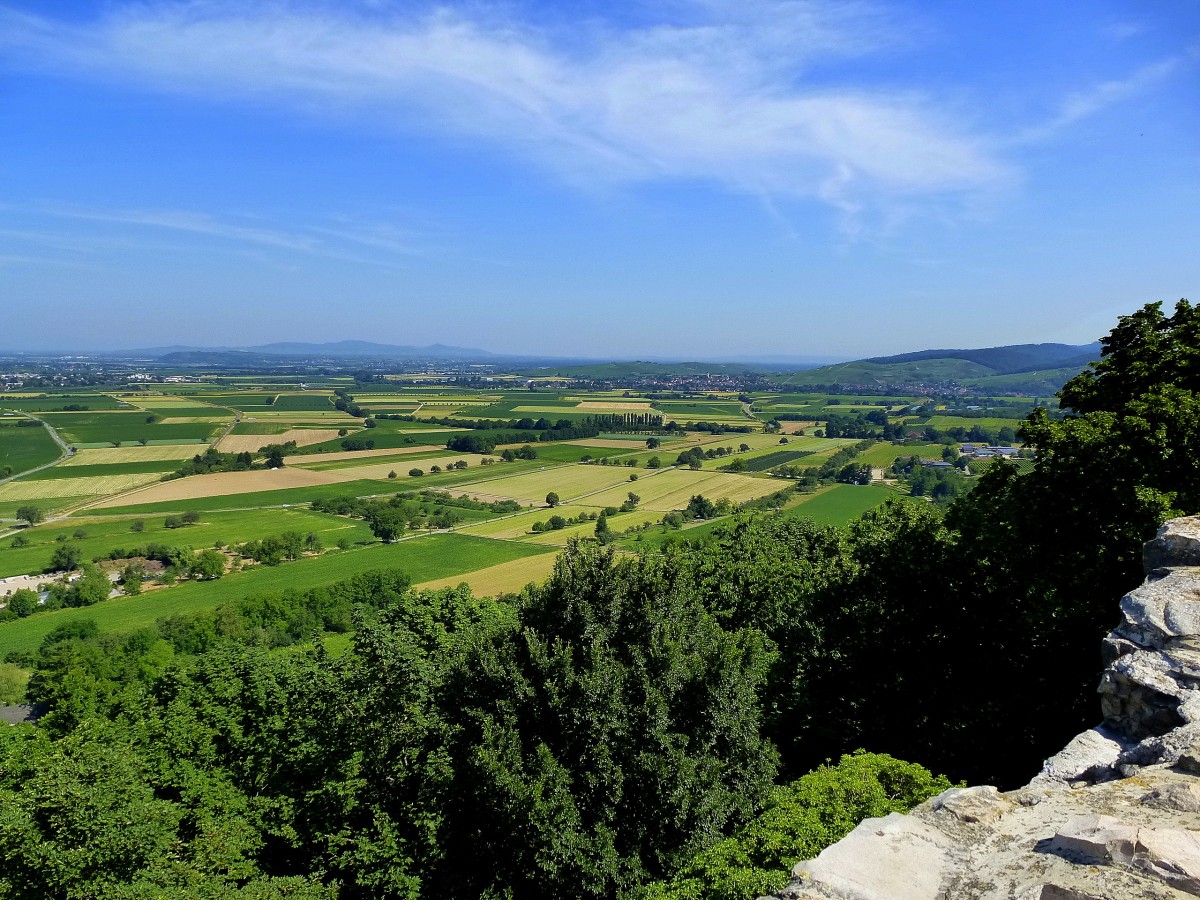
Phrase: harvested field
pixel 250 443
pixel 615 405
pixel 613 443
pixel 53 488
pixel 179 420
pixel 505 578
pixel 795 427
pixel 336 456
pixel 224 484
pixel 381 470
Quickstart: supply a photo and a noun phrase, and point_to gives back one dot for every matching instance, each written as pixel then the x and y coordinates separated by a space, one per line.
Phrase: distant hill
pixel 299 350
pixel 1027 368
pixel 1007 360
pixel 640 369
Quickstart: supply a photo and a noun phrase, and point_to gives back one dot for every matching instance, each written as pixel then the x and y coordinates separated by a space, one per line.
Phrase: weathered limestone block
pixel 1176 544
pixel 894 858
pixel 1090 756
pixel 1161 612
pixel 1171 854
pixel 972 805
pixel 1097 839
pixel 1177 796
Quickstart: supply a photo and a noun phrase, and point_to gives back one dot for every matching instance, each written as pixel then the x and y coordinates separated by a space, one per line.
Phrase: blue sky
pixel 684 178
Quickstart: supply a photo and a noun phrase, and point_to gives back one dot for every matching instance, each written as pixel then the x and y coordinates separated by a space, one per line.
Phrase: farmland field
pixel 672 488
pixel 57 488
pixel 196 487
pixel 317 460
pixel 841 503
pixel 108 427
pixel 25 448
pixel 568 482
pixel 131 505
pixel 112 455
pixel 56 403
pixel 106 533
pixel 886 454
pixel 503 578
pixel 518 525
pixel 251 443
pixel 424 558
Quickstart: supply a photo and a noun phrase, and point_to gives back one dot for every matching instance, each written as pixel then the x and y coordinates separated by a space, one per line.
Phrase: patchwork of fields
pixel 126 441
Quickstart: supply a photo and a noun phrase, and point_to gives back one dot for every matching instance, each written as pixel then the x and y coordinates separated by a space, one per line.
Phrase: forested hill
pixel 1009 360
pixel 1026 368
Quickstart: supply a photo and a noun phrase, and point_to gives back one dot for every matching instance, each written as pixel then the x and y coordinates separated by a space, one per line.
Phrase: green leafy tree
pixel 552 499
pixel 570 731
pixel 22 602
pixel 65 558
pixel 92 586
pixel 388 523
pixel 31 515
pixel 798 821
pixel 207 565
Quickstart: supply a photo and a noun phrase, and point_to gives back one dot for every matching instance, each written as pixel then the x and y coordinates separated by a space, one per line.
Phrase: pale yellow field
pixel 166 401
pixel 505 578
pixel 110 455
pixel 620 522
pixel 548 411
pixel 337 455
pixel 615 405
pixel 672 488
pixel 796 427
pixel 569 482
pixel 74 487
pixel 224 484
pixel 614 443
pixel 518 525
pixel 184 420
pixel 250 443
pixel 381 470
pixel 301 415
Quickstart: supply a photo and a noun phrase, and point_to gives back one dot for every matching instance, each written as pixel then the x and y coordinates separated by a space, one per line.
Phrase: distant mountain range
pixel 333 350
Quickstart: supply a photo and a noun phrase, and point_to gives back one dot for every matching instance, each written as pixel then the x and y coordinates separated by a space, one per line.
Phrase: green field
pixel 126 427
pixel 25 448
pixel 58 401
pixel 883 455
pixel 841 503
pixel 108 533
pixel 991 422
pixel 255 500
pixel 422 559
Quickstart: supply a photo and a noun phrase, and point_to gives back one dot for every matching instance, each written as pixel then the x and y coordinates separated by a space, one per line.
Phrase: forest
pixel 682 724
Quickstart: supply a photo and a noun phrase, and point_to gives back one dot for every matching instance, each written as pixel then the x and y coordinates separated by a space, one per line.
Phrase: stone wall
pixel 1114 816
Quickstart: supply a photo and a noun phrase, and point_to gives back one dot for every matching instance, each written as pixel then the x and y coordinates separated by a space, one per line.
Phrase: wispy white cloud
pixel 370 244
pixel 728 92
pixel 1079 105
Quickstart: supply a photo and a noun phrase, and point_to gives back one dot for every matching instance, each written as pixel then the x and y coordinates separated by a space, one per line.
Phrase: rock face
pixel 1115 815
